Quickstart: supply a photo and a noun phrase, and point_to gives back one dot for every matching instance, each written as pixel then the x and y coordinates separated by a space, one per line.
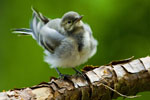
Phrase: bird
pixel 67 41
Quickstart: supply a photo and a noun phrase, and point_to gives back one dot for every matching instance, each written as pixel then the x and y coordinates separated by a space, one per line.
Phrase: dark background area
pixel 122 28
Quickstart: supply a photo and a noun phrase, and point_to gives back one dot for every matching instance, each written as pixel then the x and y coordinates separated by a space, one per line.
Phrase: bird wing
pixel 55 24
pixel 41 17
pixel 50 38
pixel 46 36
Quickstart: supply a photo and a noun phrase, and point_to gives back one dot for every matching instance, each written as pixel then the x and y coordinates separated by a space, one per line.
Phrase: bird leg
pixel 79 72
pixel 60 74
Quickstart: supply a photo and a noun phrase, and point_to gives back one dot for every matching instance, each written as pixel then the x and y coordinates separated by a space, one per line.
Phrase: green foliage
pixel 122 28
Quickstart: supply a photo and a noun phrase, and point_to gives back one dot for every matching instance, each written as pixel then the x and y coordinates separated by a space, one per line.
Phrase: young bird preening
pixel 68 42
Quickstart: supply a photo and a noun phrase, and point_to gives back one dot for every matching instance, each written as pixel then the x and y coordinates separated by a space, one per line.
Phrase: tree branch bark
pixel 107 82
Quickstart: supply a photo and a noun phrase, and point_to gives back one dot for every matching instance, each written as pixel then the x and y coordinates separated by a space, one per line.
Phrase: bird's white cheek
pixel 71 28
pixel 68 27
pixel 80 23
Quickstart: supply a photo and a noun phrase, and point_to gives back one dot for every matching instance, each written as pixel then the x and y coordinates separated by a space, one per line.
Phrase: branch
pixel 119 78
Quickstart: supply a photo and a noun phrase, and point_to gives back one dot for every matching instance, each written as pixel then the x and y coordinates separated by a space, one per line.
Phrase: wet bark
pixel 119 78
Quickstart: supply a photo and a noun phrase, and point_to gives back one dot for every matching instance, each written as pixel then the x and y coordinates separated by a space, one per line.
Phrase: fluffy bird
pixel 67 41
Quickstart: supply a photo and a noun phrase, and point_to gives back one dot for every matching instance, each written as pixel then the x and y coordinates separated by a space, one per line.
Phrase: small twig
pixel 118 92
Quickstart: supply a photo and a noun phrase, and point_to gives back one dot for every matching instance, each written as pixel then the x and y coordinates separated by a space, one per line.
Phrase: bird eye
pixel 69 22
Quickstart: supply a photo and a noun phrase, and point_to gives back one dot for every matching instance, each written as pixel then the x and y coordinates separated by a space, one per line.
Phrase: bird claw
pixel 80 73
pixel 64 76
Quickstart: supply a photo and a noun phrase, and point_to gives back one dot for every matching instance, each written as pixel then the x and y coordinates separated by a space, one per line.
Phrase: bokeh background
pixel 122 28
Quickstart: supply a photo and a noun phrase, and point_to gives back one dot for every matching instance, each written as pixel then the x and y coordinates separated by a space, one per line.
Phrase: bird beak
pixel 78 19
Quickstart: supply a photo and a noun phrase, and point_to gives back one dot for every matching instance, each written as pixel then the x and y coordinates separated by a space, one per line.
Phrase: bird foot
pixel 64 76
pixel 80 73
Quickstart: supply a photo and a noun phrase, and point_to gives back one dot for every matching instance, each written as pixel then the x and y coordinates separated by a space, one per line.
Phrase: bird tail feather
pixel 22 31
pixel 35 26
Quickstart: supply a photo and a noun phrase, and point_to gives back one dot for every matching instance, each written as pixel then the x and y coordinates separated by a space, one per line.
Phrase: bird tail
pixel 38 20
pixel 23 31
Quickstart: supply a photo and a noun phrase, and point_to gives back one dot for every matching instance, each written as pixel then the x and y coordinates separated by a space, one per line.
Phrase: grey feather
pixel 45 36
pixel 66 44
pixel 44 19
pixel 22 31
pixel 50 38
pixel 87 28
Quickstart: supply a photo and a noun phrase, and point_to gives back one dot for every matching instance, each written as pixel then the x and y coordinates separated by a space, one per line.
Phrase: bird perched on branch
pixel 67 41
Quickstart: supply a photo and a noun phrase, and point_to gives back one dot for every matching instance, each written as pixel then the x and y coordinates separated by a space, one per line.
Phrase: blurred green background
pixel 122 28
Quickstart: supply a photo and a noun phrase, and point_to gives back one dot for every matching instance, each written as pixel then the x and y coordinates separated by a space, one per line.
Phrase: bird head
pixel 71 20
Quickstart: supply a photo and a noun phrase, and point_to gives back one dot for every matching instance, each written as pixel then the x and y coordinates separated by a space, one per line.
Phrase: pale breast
pixel 85 53
pixel 75 58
